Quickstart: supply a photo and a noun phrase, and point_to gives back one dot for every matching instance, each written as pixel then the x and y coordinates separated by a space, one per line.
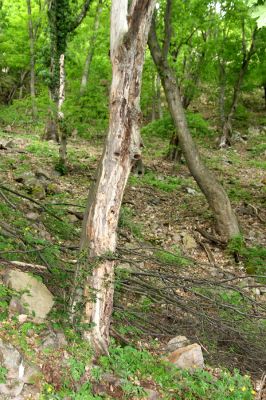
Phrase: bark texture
pixel 129 33
pixel 217 198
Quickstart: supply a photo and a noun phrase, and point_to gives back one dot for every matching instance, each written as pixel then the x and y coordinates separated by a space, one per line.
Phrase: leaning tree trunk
pixel 32 61
pixel 129 33
pixel 227 224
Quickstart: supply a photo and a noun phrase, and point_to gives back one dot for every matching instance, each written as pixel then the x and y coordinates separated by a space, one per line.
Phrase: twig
pixel 32 200
pixel 7 200
pixel 263 380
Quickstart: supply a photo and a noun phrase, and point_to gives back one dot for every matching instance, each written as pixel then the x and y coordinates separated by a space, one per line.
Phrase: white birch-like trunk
pixel 128 42
pixel 60 113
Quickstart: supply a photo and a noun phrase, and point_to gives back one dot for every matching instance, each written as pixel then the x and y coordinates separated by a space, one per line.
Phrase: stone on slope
pixel 11 359
pixel 189 357
pixel 177 343
pixel 37 301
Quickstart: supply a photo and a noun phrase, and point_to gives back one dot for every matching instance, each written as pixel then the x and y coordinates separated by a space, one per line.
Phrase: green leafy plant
pixel 3 373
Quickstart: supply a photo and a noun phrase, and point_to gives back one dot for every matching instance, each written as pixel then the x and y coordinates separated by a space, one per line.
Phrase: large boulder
pixel 35 300
pixel 189 357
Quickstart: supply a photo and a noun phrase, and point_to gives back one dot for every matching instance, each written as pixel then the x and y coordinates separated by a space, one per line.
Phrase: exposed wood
pixel 128 42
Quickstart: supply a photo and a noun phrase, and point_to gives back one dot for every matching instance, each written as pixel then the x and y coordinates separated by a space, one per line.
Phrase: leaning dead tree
pixel 226 220
pixel 129 32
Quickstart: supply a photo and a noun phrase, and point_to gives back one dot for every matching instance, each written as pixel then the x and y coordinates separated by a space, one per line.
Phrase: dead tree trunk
pixel 227 224
pixel 32 61
pixel 247 55
pixel 86 70
pixel 129 31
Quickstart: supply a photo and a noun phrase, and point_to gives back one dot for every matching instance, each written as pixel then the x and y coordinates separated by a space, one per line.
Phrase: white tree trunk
pixel 128 43
pixel 60 113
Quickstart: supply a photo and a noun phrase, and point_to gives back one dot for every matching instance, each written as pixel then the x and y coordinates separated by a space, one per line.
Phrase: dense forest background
pixel 185 256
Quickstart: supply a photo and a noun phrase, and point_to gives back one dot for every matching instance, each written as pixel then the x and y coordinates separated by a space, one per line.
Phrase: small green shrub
pixel 133 366
pixel 126 221
pixel 164 127
pixel 172 258
pixel 254 257
pixel 3 374
pixel 164 183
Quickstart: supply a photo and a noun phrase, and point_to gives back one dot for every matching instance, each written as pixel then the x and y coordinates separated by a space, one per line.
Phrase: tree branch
pixel 81 16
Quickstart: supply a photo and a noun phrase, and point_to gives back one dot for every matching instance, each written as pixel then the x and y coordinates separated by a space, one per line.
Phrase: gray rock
pixel 32 216
pixel 32 184
pixel 177 343
pixel 254 131
pixel 11 359
pixel 189 242
pixel 191 191
pixel 32 374
pixel 37 301
pixel 189 357
pixel 53 340
pixel 152 395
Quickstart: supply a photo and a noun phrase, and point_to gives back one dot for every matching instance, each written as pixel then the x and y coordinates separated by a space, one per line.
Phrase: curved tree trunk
pixel 129 33
pixel 227 224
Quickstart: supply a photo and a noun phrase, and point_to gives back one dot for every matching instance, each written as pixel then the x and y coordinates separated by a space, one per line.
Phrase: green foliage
pixel 164 128
pixel 5 297
pixel 254 257
pixel 164 183
pixel 3 374
pixel 126 221
pixel 241 113
pixel 133 366
pixel 172 258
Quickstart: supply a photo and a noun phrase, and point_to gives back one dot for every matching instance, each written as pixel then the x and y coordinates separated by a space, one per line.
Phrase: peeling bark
pixel 128 42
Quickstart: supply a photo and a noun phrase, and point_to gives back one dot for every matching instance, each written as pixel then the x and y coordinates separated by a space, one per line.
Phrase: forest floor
pixel 167 242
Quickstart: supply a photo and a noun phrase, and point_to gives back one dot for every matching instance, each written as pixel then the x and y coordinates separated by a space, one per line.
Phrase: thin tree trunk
pixel 227 224
pixel 32 61
pixel 128 42
pixel 62 125
pixel 227 126
pixel 158 97
pixel 86 70
pixel 222 84
pixel 153 113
